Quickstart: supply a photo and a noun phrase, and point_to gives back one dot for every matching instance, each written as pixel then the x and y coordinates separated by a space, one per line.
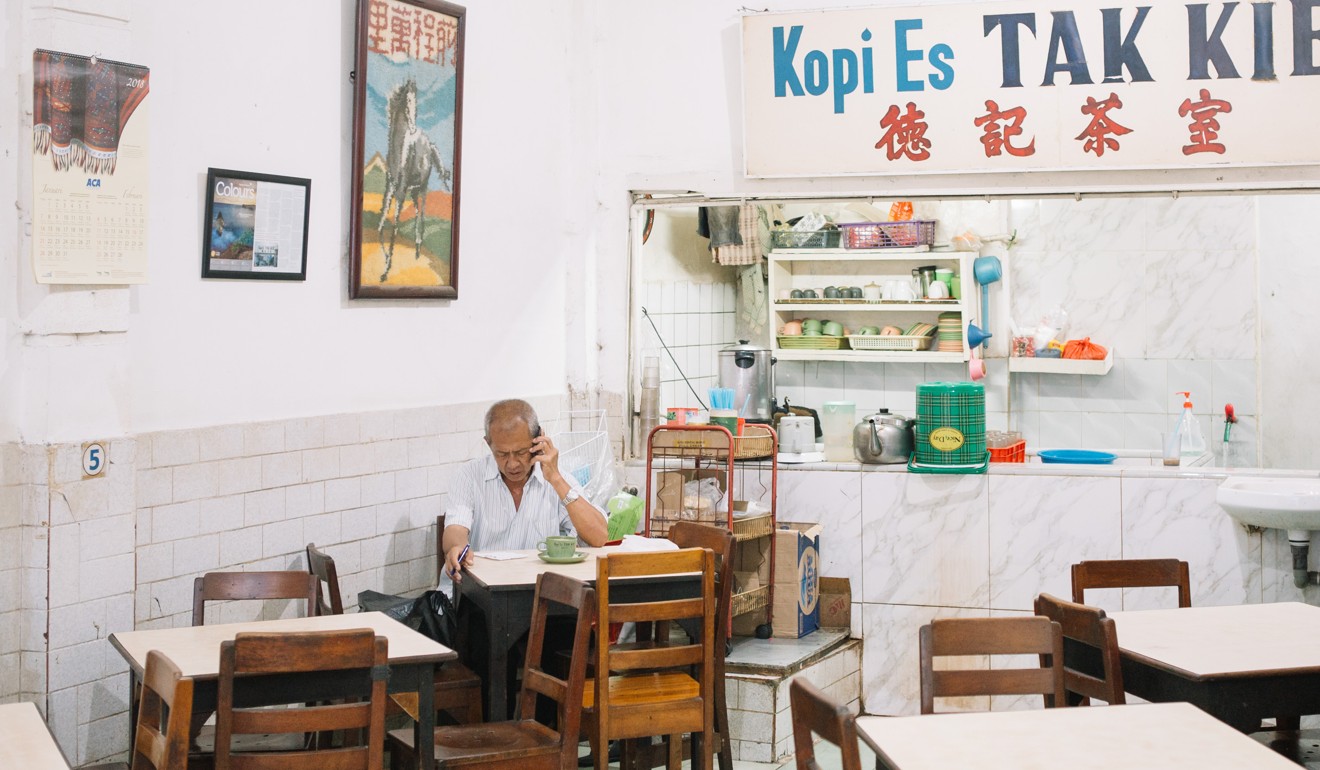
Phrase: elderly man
pixel 514 497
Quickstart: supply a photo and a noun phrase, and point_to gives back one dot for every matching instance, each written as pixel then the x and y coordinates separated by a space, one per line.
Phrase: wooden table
pixel 1240 663
pixel 25 740
pixel 1168 736
pixel 503 591
pixel 196 651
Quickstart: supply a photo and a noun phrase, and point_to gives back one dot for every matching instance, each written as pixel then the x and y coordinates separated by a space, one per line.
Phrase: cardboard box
pixel 836 603
pixel 797 580
pixel 669 496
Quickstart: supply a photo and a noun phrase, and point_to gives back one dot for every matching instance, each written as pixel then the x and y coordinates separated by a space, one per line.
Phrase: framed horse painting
pixel 407 137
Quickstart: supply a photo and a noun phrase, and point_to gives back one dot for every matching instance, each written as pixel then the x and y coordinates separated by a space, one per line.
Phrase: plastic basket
pixel 889 342
pixel 888 235
pixel 1013 453
pixel 813 342
pixel 950 427
pixel 818 239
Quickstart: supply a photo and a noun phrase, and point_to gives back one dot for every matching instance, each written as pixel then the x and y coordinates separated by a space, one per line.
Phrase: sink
pixel 1275 503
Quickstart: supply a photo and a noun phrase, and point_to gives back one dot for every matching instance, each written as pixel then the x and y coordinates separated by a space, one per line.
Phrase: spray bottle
pixel 1193 443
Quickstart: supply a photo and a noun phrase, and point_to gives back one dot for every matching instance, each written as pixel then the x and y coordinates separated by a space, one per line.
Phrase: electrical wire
pixel 677 368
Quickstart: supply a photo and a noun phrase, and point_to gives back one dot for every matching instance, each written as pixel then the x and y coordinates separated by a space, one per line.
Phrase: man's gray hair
pixel 512 409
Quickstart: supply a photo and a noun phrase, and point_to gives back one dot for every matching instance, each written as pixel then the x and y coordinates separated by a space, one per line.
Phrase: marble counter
pixel 922 546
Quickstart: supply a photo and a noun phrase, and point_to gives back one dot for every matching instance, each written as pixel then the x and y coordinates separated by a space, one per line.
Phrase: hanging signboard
pixel 1031 86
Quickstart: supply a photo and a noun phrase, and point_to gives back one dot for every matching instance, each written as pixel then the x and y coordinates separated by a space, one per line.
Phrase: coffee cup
pixel 558 546
pixel 939 290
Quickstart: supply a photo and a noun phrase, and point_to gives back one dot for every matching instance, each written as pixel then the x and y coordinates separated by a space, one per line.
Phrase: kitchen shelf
pixel 836 255
pixel 871 356
pixel 1060 365
pixel 816 268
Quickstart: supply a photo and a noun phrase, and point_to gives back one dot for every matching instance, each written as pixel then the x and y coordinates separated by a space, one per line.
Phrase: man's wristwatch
pixel 570 497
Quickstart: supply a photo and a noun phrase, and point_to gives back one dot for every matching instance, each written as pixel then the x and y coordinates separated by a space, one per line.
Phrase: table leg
pixel 424 727
pixel 497 664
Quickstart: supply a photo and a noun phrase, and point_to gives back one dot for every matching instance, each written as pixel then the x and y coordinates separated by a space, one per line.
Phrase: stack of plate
pixel 950 329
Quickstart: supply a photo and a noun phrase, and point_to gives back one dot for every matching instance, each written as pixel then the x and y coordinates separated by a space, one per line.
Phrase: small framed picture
pixel 256 226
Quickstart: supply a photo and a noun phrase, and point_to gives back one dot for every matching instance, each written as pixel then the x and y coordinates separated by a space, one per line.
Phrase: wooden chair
pixel 219 586
pixel 655 691
pixel 328 599
pixel 688 534
pixel 457 689
pixel 992 636
pixel 1132 573
pixel 161 740
pixel 290 656
pixel 1091 627
pixel 524 744
pixel 815 713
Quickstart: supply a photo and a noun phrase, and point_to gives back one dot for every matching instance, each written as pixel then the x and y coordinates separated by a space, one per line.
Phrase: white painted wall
pixel 264 87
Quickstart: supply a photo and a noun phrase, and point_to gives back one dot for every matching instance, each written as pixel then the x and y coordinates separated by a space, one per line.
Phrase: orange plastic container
pixel 1013 453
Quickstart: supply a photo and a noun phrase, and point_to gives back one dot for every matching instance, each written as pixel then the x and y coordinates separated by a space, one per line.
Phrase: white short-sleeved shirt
pixel 480 501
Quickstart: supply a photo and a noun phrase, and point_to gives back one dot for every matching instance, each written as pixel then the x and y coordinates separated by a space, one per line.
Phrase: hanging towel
pixel 720 225
pixel 749 251
pixel 752 296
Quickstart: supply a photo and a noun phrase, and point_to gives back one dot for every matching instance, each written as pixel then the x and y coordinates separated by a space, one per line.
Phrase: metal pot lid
pixel 744 345
pixel 885 418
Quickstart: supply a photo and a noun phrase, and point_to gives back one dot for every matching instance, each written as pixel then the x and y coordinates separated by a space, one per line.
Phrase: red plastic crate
pixel 888 235
pixel 1013 453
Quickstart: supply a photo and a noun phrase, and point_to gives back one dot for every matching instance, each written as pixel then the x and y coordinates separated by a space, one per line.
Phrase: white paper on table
pixel 637 543
pixel 500 555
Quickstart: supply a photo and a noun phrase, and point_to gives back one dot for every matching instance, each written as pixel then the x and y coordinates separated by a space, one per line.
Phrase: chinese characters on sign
pixel 1022 85
pixel 409 32
pixel 905 134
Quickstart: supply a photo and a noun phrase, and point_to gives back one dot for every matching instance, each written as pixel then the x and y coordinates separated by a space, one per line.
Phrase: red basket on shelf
pixel 1013 453
pixel 888 235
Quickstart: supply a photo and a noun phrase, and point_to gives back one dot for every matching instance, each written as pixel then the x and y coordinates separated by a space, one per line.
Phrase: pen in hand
pixel 461 556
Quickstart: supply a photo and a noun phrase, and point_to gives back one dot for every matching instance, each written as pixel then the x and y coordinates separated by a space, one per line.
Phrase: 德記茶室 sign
pixel 1030 86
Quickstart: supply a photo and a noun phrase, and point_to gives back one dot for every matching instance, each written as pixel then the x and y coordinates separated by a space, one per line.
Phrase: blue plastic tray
pixel 1077 456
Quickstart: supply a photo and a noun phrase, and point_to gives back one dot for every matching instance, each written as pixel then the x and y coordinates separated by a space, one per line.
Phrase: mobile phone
pixel 535 436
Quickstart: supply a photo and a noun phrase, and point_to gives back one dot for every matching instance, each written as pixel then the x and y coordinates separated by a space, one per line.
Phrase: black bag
pixel 431 614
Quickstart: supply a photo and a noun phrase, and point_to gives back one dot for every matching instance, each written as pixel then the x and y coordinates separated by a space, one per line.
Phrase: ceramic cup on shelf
pixel 939 290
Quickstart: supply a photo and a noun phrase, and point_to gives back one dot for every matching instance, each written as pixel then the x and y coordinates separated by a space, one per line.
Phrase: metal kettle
pixel 883 438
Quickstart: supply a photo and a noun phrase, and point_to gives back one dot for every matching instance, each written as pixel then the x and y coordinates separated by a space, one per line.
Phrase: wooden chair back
pixel 634 719
pixel 992 636
pixel 164 708
pixel 328 599
pixel 218 586
pixel 555 591
pixel 1132 573
pixel 815 712
pixel 358 705
pixel 689 534
pixel 1091 627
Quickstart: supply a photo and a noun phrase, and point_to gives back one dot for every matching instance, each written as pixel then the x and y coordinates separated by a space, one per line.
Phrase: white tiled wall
pixel 760 721
pixel 121 551
pixel 695 320
pixel 1169 284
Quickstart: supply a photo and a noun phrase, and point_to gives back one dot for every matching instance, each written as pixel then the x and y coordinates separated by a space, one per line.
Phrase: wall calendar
pixel 89 170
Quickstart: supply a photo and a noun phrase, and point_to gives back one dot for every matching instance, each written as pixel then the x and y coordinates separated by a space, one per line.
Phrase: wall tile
pixel 1039 527
pixel 263 438
pixel 930 526
pixel 221 442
